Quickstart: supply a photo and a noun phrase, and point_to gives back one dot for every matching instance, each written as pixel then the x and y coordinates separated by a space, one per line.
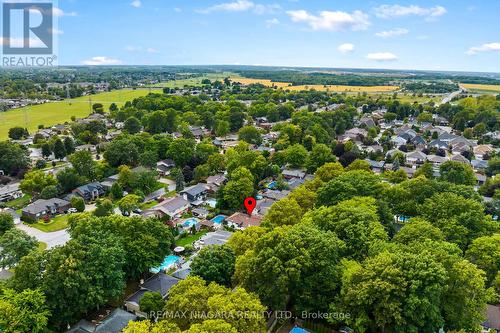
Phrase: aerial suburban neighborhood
pixel 139 197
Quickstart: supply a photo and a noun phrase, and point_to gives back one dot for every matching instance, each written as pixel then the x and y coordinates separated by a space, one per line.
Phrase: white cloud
pixel 488 47
pixel 392 33
pixel 96 61
pixel 389 11
pixel 272 22
pixel 152 50
pixel 422 37
pixel 331 21
pixel 58 12
pixel 177 9
pixel 237 6
pixel 131 48
pixel 382 56
pixel 136 3
pixel 242 6
pixel 346 48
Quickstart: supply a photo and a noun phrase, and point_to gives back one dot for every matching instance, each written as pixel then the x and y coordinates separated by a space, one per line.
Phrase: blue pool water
pixel 190 222
pixel 298 330
pixel 167 263
pixel 272 185
pixel 211 202
pixel 218 219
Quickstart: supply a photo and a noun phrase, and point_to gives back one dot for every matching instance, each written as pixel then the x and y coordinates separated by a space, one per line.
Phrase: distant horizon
pixel 365 69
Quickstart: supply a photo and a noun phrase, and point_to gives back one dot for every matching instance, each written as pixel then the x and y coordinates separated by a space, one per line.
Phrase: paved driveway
pixel 52 239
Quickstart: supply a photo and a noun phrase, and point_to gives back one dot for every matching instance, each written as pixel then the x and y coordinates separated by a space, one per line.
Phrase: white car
pixel 72 210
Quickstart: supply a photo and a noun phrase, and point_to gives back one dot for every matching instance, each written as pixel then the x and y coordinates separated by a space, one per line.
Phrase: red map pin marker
pixel 250 204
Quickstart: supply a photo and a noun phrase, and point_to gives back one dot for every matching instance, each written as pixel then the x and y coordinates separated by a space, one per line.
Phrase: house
pixel 200 212
pixel 216 181
pixel 90 192
pixel 438 144
pixel 480 179
pixel 45 208
pixel 479 164
pixel 163 167
pixel 242 221
pixel 436 159
pixel 195 194
pixel 293 173
pixel 481 151
pixel 160 282
pixel 416 157
pixel 172 207
pixel 295 182
pixel 218 237
pixel 108 182
pixel 275 195
pixel 263 205
pixel 114 322
pixel 459 158
pixel 492 322
pixel 377 167
pixel 10 192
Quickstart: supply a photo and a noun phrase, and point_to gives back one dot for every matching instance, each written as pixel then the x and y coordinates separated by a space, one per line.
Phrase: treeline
pixel 430 87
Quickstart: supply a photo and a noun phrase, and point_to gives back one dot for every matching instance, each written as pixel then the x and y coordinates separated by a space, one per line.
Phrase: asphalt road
pixel 52 239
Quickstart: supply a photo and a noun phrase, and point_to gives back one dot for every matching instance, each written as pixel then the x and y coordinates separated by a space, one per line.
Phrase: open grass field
pixel 481 88
pixel 193 81
pixel 53 113
pixel 337 88
pixel 318 87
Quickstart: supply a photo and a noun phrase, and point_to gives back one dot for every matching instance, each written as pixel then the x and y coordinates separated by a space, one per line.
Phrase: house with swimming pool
pixel 195 194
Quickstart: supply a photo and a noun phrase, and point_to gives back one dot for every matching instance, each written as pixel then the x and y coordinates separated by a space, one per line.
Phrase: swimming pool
pixel 272 185
pixel 298 330
pixel 211 202
pixel 218 219
pixel 167 263
pixel 190 222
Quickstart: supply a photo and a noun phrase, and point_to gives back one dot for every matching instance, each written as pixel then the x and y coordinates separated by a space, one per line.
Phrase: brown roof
pixel 244 220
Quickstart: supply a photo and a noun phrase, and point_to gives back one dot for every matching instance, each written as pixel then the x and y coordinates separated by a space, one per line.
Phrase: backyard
pixel 190 239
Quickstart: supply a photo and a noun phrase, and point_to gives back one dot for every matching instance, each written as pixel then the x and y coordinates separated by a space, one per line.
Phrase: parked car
pixel 72 210
pixel 137 211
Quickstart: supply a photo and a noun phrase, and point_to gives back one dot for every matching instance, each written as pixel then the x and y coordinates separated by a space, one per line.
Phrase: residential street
pixel 51 238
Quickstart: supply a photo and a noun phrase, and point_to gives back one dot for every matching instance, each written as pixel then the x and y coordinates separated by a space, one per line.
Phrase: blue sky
pixel 435 35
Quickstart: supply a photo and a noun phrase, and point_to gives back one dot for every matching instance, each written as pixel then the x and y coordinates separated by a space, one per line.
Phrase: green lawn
pixel 148 204
pixel 52 113
pixel 190 239
pixel 19 202
pixel 41 246
pixel 57 223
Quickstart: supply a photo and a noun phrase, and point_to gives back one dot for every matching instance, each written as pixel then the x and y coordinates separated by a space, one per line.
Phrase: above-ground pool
pixel 167 263
pixel 272 185
pixel 190 222
pixel 218 219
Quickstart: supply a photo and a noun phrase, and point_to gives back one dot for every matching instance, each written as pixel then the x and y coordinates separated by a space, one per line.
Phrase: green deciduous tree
pixel 283 212
pixel 15 244
pixel 215 264
pixel 23 312
pixel 457 173
pixel 297 265
pixel 35 181
pixel 151 303
pixel 6 222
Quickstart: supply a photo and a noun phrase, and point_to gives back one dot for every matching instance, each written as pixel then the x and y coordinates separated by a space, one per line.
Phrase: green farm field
pixel 53 113
pixel 196 81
